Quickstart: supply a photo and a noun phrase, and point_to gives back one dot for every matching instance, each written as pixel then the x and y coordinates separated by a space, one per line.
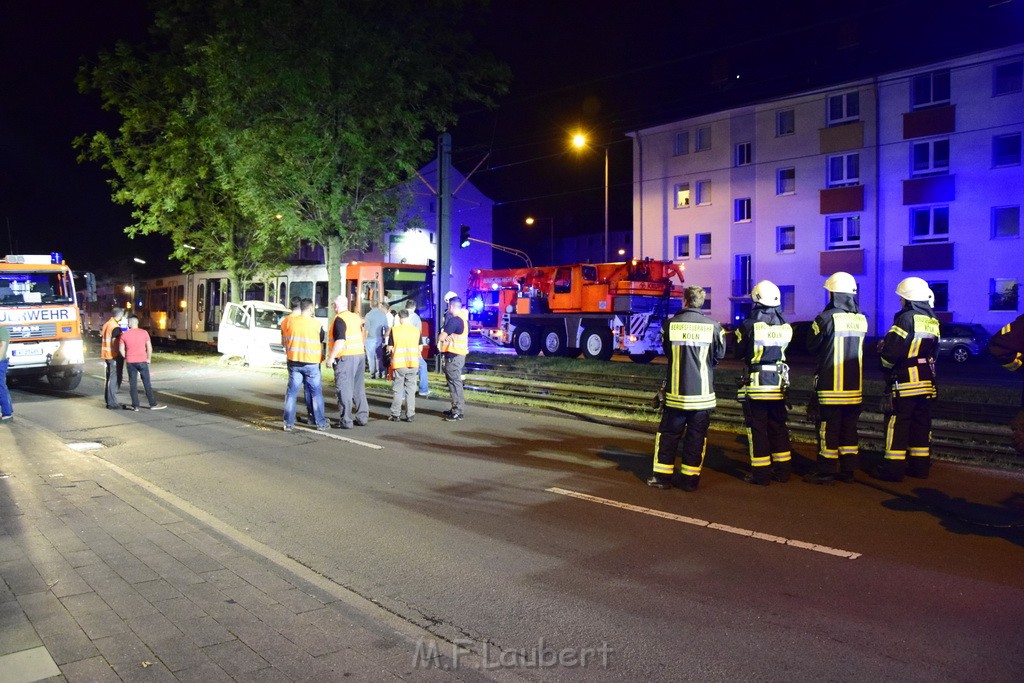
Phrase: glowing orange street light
pixel 579 141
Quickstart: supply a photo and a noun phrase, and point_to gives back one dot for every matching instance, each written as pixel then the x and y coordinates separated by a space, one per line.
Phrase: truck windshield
pixel 268 319
pixel 403 284
pixel 36 289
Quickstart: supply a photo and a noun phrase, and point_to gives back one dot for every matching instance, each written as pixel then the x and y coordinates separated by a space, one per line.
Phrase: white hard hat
pixel 914 289
pixel 766 294
pixel 842 283
pixel 449 295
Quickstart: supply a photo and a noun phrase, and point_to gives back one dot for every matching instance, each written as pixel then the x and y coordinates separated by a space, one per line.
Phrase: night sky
pixel 610 71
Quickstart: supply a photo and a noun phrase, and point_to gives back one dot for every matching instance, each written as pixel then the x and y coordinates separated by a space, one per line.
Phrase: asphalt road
pixel 456 527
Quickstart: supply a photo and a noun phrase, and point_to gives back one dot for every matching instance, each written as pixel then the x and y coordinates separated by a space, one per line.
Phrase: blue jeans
pixel 374 357
pixel 134 371
pixel 307 374
pixel 6 408
pixel 424 387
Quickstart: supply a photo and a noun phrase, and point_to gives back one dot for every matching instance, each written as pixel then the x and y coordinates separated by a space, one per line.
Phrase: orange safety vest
pixel 301 339
pixel 107 350
pixel 407 347
pixel 459 343
pixel 353 342
pixel 286 323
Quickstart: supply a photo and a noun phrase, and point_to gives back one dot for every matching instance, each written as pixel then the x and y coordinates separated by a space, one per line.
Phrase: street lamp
pixel 579 141
pixel 530 220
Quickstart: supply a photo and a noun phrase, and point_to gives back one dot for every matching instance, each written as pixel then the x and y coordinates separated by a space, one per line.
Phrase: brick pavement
pixel 102 581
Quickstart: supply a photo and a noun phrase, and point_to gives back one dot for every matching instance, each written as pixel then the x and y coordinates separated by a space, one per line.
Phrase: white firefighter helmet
pixel 766 294
pixel 841 283
pixel 914 289
pixel 449 296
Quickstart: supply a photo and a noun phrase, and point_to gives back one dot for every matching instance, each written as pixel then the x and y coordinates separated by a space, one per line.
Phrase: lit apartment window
pixel 1002 294
pixel 787 295
pixel 1006 150
pixel 844 169
pixel 1005 221
pixel 785 123
pixel 682 195
pixel 785 239
pixel 703 192
pixel 930 90
pixel 744 154
pixel 704 245
pixel 707 299
pixel 1007 78
pixel 741 210
pixel 929 224
pixel 682 143
pixel 843 108
pixel 703 141
pixel 941 292
pixel 843 232
pixel 682 246
pixel 931 156
pixel 785 181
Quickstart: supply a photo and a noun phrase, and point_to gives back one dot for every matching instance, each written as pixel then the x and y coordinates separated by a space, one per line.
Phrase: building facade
pixel 916 172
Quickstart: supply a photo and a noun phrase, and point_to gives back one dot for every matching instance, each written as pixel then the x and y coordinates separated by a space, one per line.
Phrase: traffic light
pixel 463 236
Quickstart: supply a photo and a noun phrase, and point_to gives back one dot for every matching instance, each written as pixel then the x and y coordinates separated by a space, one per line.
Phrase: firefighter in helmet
pixel 837 338
pixel 908 357
pixel 761 341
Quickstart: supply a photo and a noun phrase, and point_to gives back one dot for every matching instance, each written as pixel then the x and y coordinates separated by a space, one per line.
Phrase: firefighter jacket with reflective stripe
pixel 108 335
pixel 908 351
pixel 302 340
pixel 693 344
pixel 405 340
pixel 1007 345
pixel 837 337
pixel 458 343
pixel 353 342
pixel 762 340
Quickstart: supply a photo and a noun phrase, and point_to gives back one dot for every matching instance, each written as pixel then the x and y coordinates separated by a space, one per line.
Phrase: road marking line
pixel 185 398
pixel 298 426
pixel 703 523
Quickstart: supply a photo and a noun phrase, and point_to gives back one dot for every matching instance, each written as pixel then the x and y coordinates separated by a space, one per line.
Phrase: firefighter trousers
pixel 767 439
pixel 838 440
pixel 689 427
pixel 908 433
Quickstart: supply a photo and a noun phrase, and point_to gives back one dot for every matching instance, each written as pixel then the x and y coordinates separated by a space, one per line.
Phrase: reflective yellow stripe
pixel 782 457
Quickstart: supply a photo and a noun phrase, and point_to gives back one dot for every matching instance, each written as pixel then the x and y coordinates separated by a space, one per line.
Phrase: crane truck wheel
pixel 553 343
pixel 597 344
pixel 526 341
pixel 643 358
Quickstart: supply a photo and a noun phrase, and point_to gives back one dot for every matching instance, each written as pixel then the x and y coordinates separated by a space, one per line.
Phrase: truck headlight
pixel 73 352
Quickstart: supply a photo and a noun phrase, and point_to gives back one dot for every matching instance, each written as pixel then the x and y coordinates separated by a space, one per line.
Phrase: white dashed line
pixel 185 398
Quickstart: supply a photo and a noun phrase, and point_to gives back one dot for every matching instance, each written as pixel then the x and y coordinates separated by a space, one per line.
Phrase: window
pixel 744 154
pixel 1005 221
pixel 1007 78
pixel 682 244
pixel 707 300
pixel 703 141
pixel 788 298
pixel 929 224
pixel 682 143
pixel 843 170
pixel 931 156
pixel 741 210
pixel 703 192
pixel 930 90
pixel 785 181
pixel 785 123
pixel 682 195
pixel 843 108
pixel 843 232
pixel 1006 150
pixel 1002 294
pixel 785 239
pixel 704 245
pixel 563 281
pixel 941 292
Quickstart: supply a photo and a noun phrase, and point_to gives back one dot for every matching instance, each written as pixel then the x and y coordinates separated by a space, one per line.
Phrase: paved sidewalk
pixel 102 581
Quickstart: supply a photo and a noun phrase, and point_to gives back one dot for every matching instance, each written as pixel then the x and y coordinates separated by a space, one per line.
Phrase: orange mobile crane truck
pixel 597 309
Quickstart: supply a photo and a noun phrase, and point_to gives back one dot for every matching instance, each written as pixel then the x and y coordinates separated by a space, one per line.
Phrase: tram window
pixel 370 296
pixel 563 281
pixel 320 300
pixel 302 289
pixel 283 298
pixel 157 299
pixel 255 291
pixel 201 297
pixel 179 296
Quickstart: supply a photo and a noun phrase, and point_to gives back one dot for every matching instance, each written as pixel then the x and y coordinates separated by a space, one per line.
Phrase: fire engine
pixel 39 306
pixel 597 309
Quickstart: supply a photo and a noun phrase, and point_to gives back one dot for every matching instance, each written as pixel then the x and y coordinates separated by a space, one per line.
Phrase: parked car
pixel 962 341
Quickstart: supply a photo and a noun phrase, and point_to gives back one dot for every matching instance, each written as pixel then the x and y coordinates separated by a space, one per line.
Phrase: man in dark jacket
pixel 693 344
pixel 837 337
pixel 761 341
pixel 908 357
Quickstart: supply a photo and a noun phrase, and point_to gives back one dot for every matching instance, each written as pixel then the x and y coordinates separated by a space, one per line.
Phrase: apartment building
pixel 916 172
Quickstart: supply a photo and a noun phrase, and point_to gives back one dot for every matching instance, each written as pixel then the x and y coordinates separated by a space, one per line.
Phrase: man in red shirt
pixel 137 350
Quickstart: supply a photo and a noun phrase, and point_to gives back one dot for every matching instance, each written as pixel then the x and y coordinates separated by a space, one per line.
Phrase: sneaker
pixel 756 481
pixel 656 482
pixel 361 424
pixel 820 478
pixel 392 418
pixel 158 406
pixel 113 407
pixel 6 418
pixel 453 417
pixel 289 428
pixel 409 419
pixel 448 413
pixel 322 427
pixel 340 425
pixel 423 394
pixel 132 408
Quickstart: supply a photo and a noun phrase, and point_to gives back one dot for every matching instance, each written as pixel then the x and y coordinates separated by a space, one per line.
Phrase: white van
pixel 251 330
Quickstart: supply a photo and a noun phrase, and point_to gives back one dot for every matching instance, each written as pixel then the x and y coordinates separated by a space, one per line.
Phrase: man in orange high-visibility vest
pixel 453 342
pixel 347 355
pixel 404 346
pixel 111 357
pixel 301 340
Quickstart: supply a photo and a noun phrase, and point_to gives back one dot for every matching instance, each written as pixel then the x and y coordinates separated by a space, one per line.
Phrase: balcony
pixel 841 138
pixel 934 256
pixel 848 260
pixel 934 121
pixel 931 190
pixel 849 199
pixel 741 288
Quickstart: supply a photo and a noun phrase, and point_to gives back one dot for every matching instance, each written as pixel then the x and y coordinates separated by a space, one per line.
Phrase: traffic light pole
pixel 444 228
